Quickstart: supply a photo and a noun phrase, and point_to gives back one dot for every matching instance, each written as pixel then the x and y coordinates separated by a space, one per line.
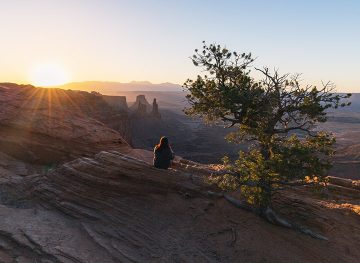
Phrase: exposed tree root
pixel 271 216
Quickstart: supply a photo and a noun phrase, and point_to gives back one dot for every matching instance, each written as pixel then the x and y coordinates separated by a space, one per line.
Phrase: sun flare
pixel 45 75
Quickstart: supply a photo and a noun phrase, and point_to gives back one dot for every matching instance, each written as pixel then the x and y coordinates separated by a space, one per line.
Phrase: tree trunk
pixel 271 216
pixel 264 182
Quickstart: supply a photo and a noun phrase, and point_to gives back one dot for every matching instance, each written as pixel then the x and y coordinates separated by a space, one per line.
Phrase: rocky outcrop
pixel 117 102
pixel 347 183
pixel 53 125
pixel 142 103
pixel 140 108
pixel 115 208
pixel 155 110
pixel 141 111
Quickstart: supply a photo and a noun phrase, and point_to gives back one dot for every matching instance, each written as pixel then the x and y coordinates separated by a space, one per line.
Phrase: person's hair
pixel 163 144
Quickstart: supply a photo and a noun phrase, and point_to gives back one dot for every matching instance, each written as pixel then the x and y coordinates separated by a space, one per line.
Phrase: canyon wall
pixel 51 125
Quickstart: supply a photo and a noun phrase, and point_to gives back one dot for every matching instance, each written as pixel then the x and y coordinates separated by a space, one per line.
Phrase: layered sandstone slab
pixel 115 208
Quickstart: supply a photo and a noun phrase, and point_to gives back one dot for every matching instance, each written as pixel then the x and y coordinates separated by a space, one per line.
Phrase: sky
pixel 115 40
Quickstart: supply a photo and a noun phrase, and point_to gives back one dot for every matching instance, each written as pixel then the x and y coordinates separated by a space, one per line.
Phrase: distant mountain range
pixel 114 88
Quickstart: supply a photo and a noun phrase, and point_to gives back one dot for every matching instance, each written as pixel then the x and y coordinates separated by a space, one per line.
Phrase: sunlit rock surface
pixel 115 208
pixel 50 125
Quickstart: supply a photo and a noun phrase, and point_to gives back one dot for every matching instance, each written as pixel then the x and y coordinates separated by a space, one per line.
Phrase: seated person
pixel 163 154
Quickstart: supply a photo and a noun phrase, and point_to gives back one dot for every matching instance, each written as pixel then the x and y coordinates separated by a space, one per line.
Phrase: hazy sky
pixel 153 40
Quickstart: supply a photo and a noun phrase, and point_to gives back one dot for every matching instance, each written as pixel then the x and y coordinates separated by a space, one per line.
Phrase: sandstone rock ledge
pixel 115 208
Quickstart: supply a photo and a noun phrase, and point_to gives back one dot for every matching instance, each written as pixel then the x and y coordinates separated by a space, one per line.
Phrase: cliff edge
pixel 116 208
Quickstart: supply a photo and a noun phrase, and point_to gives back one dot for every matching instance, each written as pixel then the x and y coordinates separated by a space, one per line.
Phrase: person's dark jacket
pixel 163 157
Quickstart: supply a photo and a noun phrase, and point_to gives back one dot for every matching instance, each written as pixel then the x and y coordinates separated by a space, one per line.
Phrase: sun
pixel 46 75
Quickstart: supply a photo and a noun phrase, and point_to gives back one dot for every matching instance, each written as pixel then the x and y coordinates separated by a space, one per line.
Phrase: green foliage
pixel 276 113
pixel 290 159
